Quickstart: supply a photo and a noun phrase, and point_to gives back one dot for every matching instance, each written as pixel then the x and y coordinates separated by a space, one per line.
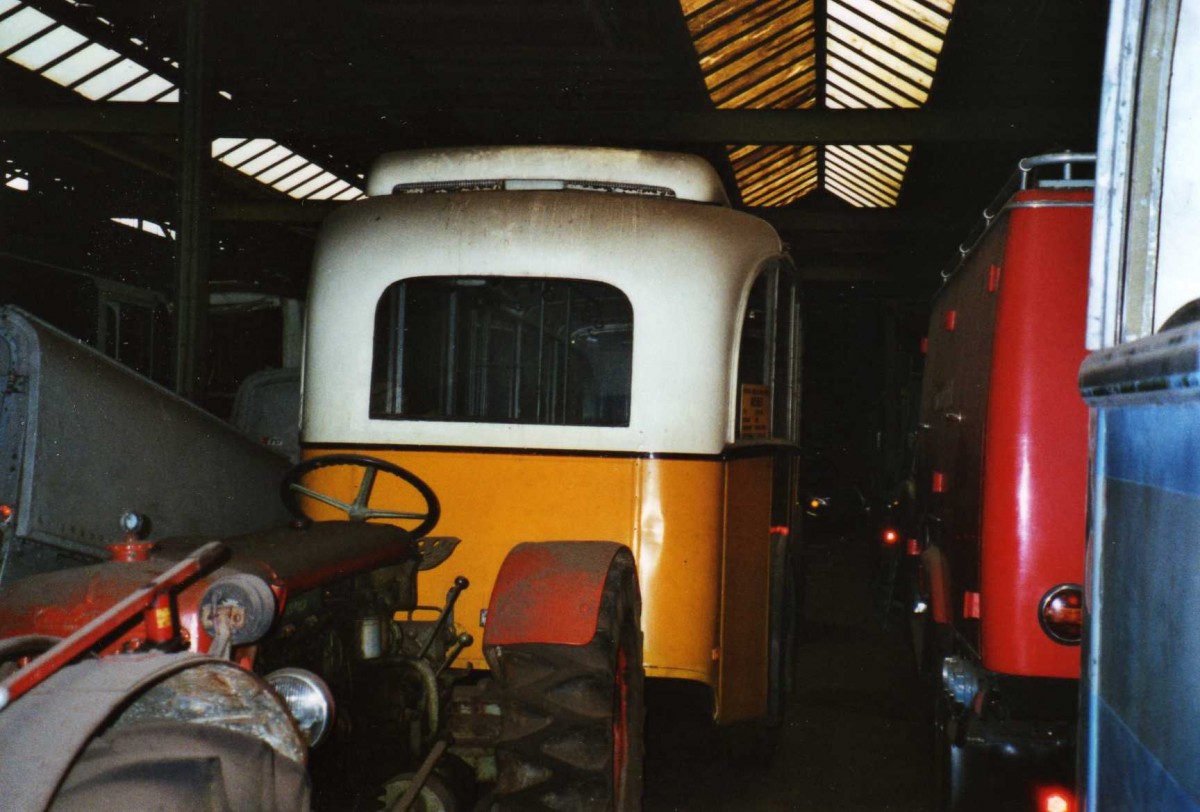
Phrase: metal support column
pixel 193 247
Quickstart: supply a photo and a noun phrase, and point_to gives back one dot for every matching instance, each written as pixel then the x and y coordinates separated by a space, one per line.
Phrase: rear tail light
pixel 890 536
pixel 1055 799
pixel 1061 614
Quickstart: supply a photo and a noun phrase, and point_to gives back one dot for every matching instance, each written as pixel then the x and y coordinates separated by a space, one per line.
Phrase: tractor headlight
pixel 308 699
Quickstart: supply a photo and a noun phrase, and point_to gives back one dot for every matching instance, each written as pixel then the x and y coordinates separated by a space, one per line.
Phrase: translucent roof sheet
pixel 874 54
pixel 756 54
pixel 774 175
pixel 275 165
pixel 66 57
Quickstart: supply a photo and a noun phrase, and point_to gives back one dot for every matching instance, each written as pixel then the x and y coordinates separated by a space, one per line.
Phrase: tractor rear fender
pixel 43 732
pixel 549 592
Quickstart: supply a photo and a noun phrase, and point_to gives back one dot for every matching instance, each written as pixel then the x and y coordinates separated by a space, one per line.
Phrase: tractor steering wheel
pixel 357 511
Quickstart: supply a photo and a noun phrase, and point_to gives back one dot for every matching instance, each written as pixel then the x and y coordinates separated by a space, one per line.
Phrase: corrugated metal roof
pixel 874 54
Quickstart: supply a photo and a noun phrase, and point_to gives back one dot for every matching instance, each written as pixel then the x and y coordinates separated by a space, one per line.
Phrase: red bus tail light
pixel 1061 614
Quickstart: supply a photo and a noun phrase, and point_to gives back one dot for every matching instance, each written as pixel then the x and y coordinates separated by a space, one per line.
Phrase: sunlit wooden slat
pixel 870 194
pixel 780 170
pixel 921 13
pixel 901 67
pixel 837 157
pixel 894 22
pixel 754 26
pixel 883 36
pixel 912 91
pixel 794 77
pixel 866 169
pixel 739 75
pixel 885 162
pixel 879 88
pixel 839 81
pixel 847 194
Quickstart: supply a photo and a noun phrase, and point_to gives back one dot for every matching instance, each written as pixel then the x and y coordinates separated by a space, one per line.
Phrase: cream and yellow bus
pixel 570 344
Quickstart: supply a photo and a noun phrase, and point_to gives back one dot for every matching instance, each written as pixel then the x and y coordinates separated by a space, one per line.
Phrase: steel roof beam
pixel 814 126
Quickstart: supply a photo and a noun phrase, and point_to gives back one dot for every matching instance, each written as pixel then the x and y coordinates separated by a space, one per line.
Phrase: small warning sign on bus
pixel 756 411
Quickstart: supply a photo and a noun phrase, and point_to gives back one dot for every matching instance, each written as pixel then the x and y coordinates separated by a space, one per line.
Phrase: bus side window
pixel 766 365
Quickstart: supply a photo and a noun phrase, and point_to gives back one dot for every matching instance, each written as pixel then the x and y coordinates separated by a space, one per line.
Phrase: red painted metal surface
pixel 131 550
pixel 549 592
pixel 289 560
pixel 1035 447
pixel 970 608
pixel 107 623
pixel 160 620
pixel 933 565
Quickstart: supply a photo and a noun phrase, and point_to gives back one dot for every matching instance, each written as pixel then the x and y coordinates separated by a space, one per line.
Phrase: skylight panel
pixel 16 180
pixel 873 10
pixel 64 56
pixel 220 146
pixel 880 54
pixel 756 55
pixel 249 149
pixel 860 175
pixel 148 226
pixel 47 48
pixel 296 178
pixel 315 185
pixel 329 191
pixel 266 160
pixel 883 36
pixel 844 37
pixel 922 13
pixel 81 64
pixel 864 86
pixel 275 165
pixel 150 88
pixel 111 79
pixel 912 94
pixel 774 175
pixel 21 26
pixel 278 171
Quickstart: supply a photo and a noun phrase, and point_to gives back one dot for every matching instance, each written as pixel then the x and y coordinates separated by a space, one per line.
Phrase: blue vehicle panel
pixel 1141 695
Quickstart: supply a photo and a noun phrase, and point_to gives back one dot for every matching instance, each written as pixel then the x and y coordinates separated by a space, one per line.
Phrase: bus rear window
pixel 503 350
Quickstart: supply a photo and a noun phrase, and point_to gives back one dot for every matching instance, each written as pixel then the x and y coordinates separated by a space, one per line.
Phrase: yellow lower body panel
pixel 695 577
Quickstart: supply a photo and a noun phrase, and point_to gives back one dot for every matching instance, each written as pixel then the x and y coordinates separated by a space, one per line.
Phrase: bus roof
pixel 596 169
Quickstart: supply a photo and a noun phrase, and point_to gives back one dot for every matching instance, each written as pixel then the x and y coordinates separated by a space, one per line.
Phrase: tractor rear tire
pixel 181 766
pixel 572 736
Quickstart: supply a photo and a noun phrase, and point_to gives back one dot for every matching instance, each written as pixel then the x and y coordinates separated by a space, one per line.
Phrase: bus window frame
pixel 776 271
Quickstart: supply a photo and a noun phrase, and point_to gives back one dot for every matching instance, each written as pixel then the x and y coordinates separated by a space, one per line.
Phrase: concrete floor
pixel 857 735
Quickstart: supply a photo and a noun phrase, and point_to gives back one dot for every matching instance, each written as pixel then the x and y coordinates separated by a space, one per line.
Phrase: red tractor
pixel 169 673
pixel 135 682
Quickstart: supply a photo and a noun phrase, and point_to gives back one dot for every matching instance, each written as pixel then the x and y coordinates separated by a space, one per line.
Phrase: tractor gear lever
pixel 460 583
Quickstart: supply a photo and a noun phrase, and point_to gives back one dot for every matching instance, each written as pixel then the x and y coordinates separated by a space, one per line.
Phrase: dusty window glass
pixel 766 359
pixel 503 350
